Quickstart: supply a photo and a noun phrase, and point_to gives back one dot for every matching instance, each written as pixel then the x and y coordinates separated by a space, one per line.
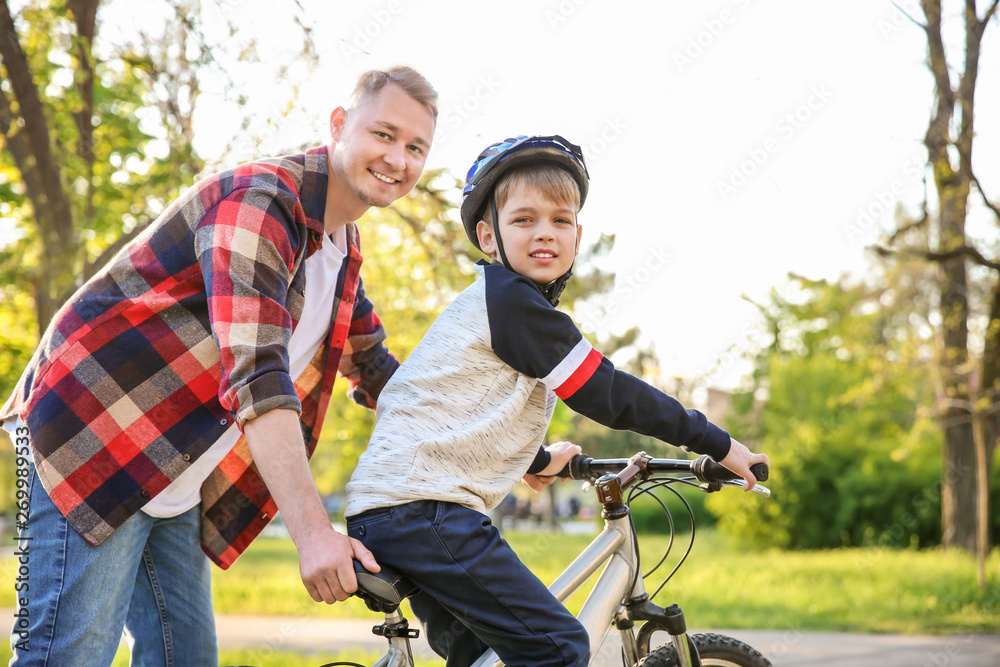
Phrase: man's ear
pixel 484 232
pixel 337 118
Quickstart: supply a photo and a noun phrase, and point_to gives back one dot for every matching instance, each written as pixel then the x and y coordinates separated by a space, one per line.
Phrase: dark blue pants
pixel 475 591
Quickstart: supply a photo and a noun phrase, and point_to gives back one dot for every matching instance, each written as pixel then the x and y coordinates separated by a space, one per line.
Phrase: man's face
pixel 540 236
pixel 380 148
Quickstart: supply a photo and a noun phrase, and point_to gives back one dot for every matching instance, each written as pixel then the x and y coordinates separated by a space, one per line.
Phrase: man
pixel 175 399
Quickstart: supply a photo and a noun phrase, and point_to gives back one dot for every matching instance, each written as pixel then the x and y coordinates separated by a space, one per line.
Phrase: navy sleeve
pixel 621 401
pixel 526 332
pixel 542 459
pixel 534 338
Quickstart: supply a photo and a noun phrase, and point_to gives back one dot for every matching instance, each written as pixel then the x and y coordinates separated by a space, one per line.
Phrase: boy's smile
pixel 540 236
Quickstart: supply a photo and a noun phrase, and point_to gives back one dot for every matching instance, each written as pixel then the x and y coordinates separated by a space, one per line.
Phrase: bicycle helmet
pixel 498 159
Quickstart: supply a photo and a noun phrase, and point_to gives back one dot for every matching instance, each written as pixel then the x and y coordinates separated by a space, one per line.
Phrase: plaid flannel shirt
pixel 184 330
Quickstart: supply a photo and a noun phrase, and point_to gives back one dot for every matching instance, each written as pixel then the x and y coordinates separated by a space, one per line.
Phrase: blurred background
pixel 792 222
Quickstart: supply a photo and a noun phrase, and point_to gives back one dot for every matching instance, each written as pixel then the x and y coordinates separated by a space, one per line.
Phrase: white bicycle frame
pixel 614 546
pixel 617 599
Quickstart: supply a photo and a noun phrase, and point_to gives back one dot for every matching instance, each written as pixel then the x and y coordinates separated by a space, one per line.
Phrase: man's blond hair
pixel 555 183
pixel 407 78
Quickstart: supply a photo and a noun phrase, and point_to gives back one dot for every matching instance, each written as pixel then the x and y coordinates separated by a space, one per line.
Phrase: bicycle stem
pixel 610 486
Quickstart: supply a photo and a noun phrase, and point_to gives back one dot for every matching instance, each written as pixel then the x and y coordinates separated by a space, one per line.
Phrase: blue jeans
pixel 475 591
pixel 149 577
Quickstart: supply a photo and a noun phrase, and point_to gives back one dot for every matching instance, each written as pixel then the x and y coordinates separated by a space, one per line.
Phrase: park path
pixel 785 648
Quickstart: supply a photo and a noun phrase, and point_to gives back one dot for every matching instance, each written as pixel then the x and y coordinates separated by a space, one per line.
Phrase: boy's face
pixel 540 236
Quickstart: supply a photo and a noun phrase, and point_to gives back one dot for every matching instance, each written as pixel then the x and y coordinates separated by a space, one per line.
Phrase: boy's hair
pixel 407 78
pixel 554 182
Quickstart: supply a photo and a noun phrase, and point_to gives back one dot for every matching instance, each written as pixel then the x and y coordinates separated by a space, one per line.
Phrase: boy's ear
pixel 579 233
pixel 484 231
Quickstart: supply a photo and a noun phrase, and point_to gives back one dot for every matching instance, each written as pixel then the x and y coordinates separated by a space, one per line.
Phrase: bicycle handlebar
pixel 703 468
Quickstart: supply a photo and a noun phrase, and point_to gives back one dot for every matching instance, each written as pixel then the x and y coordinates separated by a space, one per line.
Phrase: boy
pixel 464 417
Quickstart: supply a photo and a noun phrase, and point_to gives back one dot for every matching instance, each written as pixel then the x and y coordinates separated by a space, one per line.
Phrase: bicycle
pixel 619 598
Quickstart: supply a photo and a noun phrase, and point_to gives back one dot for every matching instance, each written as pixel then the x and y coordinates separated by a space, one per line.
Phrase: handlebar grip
pixel 577 468
pixel 707 470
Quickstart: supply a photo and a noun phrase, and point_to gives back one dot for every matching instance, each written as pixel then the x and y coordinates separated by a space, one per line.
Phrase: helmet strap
pixel 554 289
pixel 496 232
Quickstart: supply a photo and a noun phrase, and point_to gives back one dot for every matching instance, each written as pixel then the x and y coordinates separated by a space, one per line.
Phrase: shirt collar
pixel 313 196
pixel 314 184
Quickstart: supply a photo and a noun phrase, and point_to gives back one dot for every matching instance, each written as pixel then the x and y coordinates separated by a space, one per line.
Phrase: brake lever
pixel 758 487
pixel 710 487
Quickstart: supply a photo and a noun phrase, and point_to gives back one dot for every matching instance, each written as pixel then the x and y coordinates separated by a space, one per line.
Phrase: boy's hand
pixel 739 459
pixel 560 453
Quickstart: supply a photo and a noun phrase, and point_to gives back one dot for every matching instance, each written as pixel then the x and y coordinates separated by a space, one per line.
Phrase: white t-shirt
pixel 322 269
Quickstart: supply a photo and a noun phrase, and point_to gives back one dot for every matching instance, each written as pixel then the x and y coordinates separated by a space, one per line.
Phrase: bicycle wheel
pixel 714 650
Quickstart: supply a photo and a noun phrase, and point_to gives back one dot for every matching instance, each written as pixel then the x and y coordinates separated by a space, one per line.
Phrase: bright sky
pixel 729 141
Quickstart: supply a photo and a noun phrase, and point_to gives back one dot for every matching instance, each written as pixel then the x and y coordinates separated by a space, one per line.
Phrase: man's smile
pixel 383 177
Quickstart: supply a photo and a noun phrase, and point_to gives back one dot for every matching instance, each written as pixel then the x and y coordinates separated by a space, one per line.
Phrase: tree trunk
pixel 952 183
pixel 85 15
pixel 958 502
pixel 41 173
pixel 988 411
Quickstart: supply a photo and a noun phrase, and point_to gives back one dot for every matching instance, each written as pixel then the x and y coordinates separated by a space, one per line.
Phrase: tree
pixel 88 171
pixel 95 138
pixel 969 380
pixel 835 400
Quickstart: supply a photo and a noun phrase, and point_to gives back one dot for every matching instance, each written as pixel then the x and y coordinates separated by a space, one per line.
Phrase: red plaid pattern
pixel 186 329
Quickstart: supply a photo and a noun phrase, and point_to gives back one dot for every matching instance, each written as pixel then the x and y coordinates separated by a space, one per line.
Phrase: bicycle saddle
pixel 383 591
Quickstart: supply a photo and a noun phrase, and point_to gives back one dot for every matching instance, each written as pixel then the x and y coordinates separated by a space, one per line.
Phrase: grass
pixel 720 586
pixel 845 590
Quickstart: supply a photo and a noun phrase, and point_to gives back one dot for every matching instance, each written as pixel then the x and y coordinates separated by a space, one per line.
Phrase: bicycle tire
pixel 714 651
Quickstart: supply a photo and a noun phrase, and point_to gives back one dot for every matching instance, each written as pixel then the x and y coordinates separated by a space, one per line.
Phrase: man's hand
pixel 560 453
pixel 739 459
pixel 326 564
pixel 325 556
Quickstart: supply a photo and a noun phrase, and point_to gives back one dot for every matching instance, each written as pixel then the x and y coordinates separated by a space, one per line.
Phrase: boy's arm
pixel 536 339
pixel 622 401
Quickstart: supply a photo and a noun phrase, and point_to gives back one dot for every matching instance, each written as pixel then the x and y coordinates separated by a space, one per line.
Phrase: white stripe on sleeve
pixel 565 368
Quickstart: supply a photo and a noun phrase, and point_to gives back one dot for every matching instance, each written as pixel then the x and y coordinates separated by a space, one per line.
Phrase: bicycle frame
pixel 619 594
pixel 615 547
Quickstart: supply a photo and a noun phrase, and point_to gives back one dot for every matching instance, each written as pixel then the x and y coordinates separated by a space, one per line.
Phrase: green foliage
pixel 118 179
pixel 649 518
pixel 838 411
pixel 17 336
